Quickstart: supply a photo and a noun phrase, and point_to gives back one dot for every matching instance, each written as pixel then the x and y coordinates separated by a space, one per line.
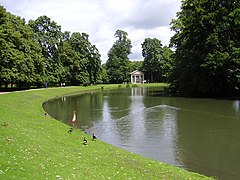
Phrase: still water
pixel 200 135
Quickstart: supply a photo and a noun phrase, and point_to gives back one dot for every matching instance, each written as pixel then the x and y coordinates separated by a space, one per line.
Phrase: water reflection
pixel 201 135
pixel 236 106
pixel 208 136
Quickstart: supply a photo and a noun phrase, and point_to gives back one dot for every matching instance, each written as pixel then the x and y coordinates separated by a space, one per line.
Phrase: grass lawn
pixel 35 146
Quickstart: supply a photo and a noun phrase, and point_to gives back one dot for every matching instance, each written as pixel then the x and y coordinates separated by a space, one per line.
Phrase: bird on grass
pixel 4 124
pixel 70 130
pixel 94 137
pixel 84 141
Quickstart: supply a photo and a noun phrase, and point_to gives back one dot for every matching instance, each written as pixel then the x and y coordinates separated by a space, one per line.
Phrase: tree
pixel 21 62
pixel 49 37
pixel 118 62
pixel 207 46
pixel 153 54
pixel 166 64
pixel 104 76
pixel 74 58
pixel 94 65
pixel 45 55
pixel 135 65
pixel 81 59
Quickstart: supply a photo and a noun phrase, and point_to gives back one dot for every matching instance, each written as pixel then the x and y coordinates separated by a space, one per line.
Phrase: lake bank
pixel 35 146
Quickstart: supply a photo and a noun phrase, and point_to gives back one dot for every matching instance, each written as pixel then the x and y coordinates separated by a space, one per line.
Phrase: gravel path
pixel 4 92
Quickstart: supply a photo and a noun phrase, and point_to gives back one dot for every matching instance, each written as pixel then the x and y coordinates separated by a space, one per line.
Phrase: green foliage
pixel 49 37
pixel 152 52
pixel 134 85
pixel 94 64
pixel 117 64
pixel 104 75
pixel 39 52
pixel 157 62
pixel 135 65
pixel 207 48
pixel 128 85
pixel 81 59
pixel 166 64
pixel 21 61
pixel 74 58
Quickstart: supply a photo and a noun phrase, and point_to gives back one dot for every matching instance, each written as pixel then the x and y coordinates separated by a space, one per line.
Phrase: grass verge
pixel 35 146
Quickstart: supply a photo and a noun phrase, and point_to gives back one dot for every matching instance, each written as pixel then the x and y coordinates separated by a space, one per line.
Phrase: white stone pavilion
pixel 137 77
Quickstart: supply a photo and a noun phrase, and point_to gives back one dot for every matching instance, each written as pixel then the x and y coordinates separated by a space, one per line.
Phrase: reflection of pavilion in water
pixel 137 125
pixel 236 105
pixel 138 91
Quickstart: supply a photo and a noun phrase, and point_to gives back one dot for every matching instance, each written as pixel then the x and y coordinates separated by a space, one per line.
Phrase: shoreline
pixel 36 146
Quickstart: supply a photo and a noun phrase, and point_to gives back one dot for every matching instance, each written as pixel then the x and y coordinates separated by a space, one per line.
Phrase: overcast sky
pixel 101 18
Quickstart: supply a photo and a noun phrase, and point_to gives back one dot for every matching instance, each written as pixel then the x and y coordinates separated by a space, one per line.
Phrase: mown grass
pixel 35 146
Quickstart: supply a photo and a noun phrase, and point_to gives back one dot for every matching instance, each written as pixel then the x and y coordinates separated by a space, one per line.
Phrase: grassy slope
pixel 35 146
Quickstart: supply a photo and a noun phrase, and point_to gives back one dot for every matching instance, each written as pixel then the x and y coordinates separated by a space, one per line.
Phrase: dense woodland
pixel 207 43
pixel 203 58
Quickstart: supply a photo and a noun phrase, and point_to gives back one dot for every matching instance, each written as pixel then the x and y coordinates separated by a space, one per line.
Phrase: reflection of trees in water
pixel 121 109
pixel 208 138
pixel 87 106
pixel 136 116
pixel 119 106
pixel 160 128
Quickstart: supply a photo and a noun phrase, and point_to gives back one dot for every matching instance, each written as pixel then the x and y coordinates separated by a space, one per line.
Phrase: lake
pixel 200 135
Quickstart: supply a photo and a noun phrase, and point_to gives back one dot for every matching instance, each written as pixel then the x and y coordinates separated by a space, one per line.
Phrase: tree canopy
pixel 38 52
pixel 157 60
pixel 117 64
pixel 21 61
pixel 81 59
pixel 207 47
pixel 205 61
pixel 152 53
pixel 49 37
